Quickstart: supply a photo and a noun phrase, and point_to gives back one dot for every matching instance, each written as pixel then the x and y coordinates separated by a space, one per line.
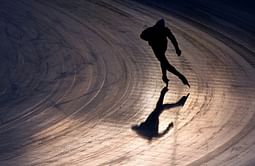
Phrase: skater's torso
pixel 157 39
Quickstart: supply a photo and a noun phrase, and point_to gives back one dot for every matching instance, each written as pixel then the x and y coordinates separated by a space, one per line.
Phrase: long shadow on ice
pixel 149 128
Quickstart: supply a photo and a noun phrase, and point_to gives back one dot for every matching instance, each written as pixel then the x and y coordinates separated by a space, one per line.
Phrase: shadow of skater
pixel 157 39
pixel 149 128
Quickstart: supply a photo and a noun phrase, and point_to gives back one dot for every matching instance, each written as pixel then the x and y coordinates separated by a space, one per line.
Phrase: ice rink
pixel 75 77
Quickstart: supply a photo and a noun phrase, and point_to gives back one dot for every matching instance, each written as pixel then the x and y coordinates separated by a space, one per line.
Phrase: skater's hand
pixel 178 52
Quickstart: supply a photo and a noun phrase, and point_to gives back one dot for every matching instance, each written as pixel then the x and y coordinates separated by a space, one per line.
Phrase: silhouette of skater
pixel 149 128
pixel 157 38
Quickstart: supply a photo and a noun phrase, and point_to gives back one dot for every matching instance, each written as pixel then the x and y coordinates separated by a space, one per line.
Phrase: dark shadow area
pixel 149 129
pixel 240 13
pixel 245 5
pixel 157 36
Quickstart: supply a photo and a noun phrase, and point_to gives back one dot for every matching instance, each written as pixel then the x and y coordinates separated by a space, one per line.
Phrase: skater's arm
pixel 174 41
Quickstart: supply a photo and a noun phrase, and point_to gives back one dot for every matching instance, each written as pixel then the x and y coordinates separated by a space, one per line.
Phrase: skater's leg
pixel 173 70
pixel 164 76
pixel 160 54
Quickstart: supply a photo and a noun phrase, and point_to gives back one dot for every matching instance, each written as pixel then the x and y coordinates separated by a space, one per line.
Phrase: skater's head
pixel 160 23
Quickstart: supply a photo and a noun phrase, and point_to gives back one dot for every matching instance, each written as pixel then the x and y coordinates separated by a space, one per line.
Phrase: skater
pixel 149 128
pixel 157 39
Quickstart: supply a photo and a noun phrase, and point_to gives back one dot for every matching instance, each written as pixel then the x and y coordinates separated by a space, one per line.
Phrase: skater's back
pixel 157 38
